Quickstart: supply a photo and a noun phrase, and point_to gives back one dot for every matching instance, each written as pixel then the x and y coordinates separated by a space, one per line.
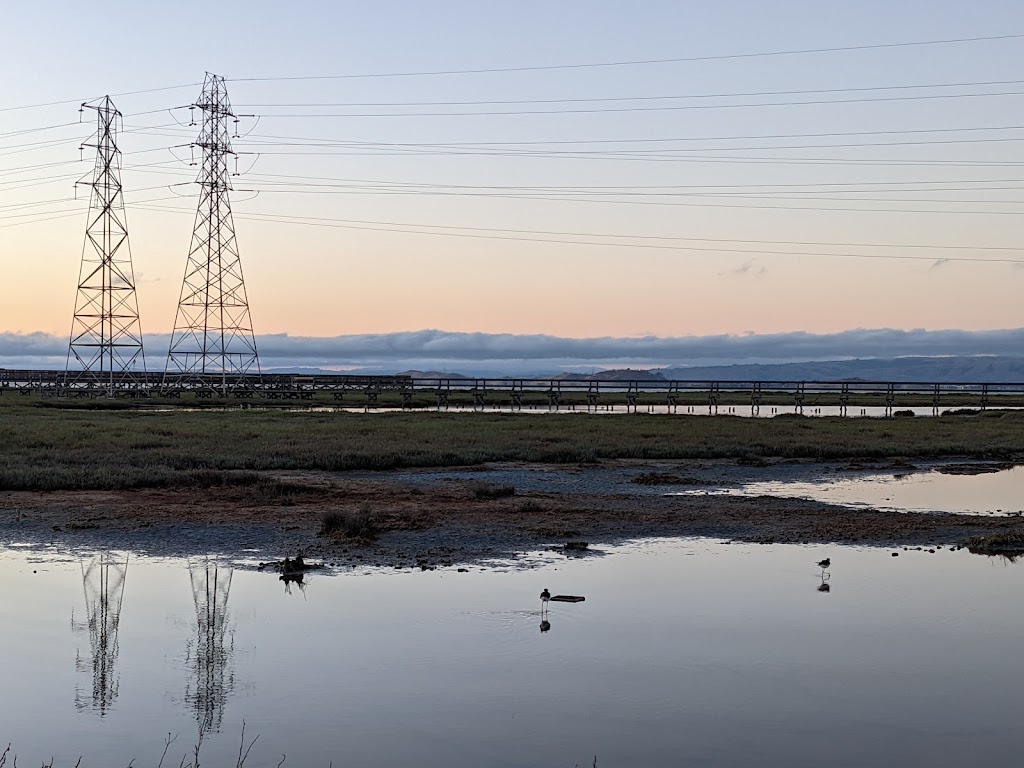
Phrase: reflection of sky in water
pixel 683 651
pixel 997 492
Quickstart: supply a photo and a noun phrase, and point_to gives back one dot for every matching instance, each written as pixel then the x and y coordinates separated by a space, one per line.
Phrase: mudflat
pixel 428 517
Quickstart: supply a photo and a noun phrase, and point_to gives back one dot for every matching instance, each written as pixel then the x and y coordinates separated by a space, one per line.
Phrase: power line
pixel 661 186
pixel 671 108
pixel 65 215
pixel 676 203
pixel 642 62
pixel 322 222
pixel 750 137
pixel 40 129
pixel 697 189
pixel 93 98
pixel 255 140
pixel 635 98
pixel 664 150
pixel 852 162
pixel 562 233
pixel 805 188
pixel 388 188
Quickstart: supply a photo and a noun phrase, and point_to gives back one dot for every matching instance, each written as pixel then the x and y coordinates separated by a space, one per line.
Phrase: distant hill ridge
pixel 977 369
pixel 924 369
pixel 618 374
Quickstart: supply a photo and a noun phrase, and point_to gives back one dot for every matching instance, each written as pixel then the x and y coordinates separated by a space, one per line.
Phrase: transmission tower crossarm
pixel 212 328
pixel 105 349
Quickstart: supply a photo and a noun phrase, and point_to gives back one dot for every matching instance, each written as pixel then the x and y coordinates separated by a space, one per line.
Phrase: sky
pixel 575 202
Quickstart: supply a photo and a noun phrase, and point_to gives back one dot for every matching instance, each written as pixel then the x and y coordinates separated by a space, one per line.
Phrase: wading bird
pixel 544 597
pixel 824 563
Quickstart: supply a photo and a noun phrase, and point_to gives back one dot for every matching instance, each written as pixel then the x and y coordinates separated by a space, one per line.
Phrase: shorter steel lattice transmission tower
pixel 106 334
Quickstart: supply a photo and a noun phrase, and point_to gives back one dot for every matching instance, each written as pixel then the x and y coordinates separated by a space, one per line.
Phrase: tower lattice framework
pixel 212 329
pixel 105 349
pixel 103 587
pixel 212 680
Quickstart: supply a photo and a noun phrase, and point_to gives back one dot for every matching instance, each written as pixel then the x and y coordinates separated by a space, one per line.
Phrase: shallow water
pixel 685 652
pixel 993 493
pixel 764 411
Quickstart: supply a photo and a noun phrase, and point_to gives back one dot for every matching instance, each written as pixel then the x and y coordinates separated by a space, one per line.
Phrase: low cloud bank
pixel 486 353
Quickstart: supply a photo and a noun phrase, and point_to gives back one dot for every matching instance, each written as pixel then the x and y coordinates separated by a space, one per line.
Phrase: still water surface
pixel 990 493
pixel 685 652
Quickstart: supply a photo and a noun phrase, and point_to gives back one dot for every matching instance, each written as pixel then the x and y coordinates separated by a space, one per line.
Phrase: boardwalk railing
pixel 518 393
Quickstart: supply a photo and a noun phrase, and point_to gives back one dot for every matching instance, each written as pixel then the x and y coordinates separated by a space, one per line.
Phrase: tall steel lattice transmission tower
pixel 212 329
pixel 106 335
pixel 103 586
pixel 212 681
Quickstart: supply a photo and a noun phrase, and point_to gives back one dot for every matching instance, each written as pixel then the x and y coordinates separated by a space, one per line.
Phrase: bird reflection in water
pixel 293 572
pixel 298 579
pixel 212 680
pixel 545 625
pixel 824 586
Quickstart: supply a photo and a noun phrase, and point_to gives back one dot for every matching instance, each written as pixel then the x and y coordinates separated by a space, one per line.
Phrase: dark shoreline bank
pixel 438 518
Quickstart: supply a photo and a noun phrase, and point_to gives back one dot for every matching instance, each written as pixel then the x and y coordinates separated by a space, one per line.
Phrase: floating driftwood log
pixel 567 599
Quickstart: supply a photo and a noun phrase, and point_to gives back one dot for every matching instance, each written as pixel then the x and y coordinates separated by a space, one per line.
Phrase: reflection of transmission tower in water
pixel 106 335
pixel 212 329
pixel 103 586
pixel 212 680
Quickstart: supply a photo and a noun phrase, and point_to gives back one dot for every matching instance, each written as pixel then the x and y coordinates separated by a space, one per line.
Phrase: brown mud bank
pixel 432 518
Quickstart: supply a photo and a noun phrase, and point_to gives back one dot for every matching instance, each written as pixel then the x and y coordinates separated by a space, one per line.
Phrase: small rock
pixel 931 551
pixel 56 528
pixel 895 554
pixel 463 570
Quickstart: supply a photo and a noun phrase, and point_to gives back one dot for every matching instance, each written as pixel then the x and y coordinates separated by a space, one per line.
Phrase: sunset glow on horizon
pixel 685 198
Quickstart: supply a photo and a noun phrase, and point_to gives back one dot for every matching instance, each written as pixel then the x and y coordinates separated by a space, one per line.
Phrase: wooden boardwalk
pixel 517 393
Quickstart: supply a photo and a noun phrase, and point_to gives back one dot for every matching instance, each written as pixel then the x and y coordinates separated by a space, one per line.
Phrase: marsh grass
pixel 1009 544
pixel 491 491
pixel 358 523
pixel 49 449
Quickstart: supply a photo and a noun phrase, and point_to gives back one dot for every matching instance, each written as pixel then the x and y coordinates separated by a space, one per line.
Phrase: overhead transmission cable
pixel 644 62
pixel 668 108
pixel 92 98
pixel 323 222
pixel 671 97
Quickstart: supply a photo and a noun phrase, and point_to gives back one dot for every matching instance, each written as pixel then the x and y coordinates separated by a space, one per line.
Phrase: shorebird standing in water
pixel 544 597
pixel 823 564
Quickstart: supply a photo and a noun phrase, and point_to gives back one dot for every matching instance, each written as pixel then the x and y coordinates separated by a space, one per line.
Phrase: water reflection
pixel 824 586
pixel 825 575
pixel 986 489
pixel 545 625
pixel 298 579
pixel 876 674
pixel 209 656
pixel 103 588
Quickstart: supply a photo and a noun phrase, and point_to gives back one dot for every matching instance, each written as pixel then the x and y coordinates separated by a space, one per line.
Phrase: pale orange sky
pixel 326 281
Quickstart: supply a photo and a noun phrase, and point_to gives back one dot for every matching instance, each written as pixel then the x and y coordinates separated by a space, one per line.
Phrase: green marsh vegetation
pixel 50 448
